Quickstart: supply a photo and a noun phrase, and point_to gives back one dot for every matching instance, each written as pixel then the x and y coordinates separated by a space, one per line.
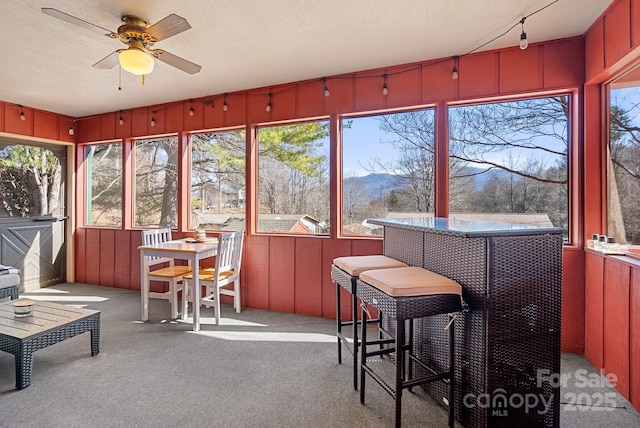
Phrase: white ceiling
pixel 244 44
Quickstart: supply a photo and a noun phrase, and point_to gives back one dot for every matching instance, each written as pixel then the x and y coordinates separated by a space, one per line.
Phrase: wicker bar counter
pixel 508 337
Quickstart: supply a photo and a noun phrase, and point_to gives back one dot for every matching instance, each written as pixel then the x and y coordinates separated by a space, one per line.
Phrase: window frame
pixel 189 170
pixel 131 151
pixel 254 164
pixel 441 109
pixel 82 157
pixel 574 184
pixel 339 174
pixel 634 67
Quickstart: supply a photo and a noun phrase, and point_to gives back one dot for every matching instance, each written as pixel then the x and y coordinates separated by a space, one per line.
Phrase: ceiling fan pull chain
pixel 143 80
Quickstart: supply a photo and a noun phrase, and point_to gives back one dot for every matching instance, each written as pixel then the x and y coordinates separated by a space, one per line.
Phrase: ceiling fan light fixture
pixel 135 61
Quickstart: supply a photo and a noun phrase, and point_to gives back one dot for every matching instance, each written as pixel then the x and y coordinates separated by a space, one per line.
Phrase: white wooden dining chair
pixel 170 273
pixel 218 280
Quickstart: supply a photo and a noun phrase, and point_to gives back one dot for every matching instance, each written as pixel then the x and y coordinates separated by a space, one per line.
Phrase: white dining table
pixel 193 252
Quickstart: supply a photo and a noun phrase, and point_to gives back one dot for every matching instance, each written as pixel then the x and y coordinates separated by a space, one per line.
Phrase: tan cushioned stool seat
pixel 355 265
pixel 410 281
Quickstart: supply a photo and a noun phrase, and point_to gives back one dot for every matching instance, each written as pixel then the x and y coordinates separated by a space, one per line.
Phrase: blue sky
pixel 362 143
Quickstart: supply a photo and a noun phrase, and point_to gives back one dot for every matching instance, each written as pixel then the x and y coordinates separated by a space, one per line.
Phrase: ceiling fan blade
pixel 167 27
pixel 108 61
pixel 176 61
pixel 77 21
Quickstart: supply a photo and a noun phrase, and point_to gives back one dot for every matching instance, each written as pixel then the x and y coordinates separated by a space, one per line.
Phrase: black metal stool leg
pixel 339 323
pixel 400 358
pixel 451 371
pixel 356 344
pixel 380 329
pixel 363 350
pixel 410 348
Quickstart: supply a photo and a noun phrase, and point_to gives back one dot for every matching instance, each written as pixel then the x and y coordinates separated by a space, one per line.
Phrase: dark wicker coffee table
pixel 50 323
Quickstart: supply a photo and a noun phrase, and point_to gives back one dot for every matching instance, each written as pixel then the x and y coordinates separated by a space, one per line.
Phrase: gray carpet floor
pixel 258 369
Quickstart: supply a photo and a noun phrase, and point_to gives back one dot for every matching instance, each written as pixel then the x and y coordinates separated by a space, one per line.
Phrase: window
pixel 104 184
pixel 156 187
pixel 508 162
pixel 217 180
pixel 387 168
pixel 31 180
pixel 623 166
pixel 293 178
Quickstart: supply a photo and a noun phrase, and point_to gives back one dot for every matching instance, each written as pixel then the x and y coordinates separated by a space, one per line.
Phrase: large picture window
pixel 293 178
pixel 508 161
pixel 387 168
pixel 623 166
pixel 104 184
pixel 218 180
pixel 156 188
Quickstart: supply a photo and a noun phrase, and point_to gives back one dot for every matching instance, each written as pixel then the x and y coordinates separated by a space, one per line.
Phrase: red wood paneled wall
pixel 36 123
pixel 634 338
pixel 612 325
pixel 594 309
pixel 612 287
pixel 613 40
pixel 612 44
pixel 573 298
pixel 615 322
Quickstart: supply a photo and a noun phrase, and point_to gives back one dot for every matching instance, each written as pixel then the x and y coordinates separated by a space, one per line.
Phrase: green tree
pixel 293 171
pixel 393 201
pixel 295 145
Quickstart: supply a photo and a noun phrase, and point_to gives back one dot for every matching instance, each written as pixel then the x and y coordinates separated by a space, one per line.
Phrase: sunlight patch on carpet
pixel 268 336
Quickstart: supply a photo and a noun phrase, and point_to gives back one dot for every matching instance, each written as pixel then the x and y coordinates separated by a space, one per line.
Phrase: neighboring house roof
pixel 203 218
pixel 295 223
pixel 271 223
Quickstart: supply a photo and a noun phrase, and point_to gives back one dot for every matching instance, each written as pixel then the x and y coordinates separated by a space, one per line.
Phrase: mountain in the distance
pixel 481 176
pixel 377 185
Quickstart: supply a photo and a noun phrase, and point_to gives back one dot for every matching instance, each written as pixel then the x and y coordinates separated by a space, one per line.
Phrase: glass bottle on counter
pixel 591 243
pixel 601 243
pixel 612 245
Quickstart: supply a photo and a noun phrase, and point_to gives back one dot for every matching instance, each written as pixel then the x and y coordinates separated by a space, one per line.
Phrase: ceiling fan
pixel 139 36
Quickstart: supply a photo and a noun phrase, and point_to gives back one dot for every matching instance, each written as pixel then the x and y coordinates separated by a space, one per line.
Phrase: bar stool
pixel 344 272
pixel 403 294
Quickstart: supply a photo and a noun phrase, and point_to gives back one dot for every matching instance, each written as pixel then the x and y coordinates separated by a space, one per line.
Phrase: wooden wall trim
pixel 612 43
pixel 37 123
